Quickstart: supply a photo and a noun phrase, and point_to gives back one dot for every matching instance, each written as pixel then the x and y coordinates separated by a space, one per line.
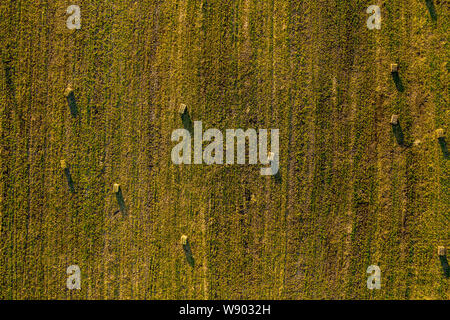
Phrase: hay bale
pixel 271 156
pixel 68 91
pixel 63 164
pixel 440 134
pixel 394 67
pixel 116 187
pixel 394 119
pixel 184 240
pixel 441 251
pixel 182 109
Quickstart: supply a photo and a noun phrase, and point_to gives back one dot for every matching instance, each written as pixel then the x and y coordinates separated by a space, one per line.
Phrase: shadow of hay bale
pixel 8 69
pixel 440 135
pixel 398 133
pixel 444 147
pixel 186 118
pixel 275 166
pixel 278 178
pixel 68 175
pixel 431 9
pixel 188 253
pixel 120 199
pixel 445 266
pixel 398 81
pixel 69 180
pixel 71 101
pixel 187 123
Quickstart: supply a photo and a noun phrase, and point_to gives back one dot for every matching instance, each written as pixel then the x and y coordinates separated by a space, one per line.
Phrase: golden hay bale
pixel 116 187
pixel 441 251
pixel 68 91
pixel 394 119
pixel 440 133
pixel 394 67
pixel 63 164
pixel 182 109
pixel 184 240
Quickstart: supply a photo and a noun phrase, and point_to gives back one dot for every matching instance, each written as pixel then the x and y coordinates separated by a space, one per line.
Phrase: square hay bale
pixel 394 67
pixel 184 240
pixel 271 156
pixel 63 164
pixel 441 251
pixel 116 187
pixel 394 119
pixel 440 134
pixel 68 91
pixel 182 109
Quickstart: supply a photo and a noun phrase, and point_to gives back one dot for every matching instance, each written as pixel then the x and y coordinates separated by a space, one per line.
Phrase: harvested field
pixel 348 194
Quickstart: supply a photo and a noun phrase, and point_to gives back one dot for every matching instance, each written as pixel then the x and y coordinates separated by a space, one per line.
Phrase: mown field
pixel 350 196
